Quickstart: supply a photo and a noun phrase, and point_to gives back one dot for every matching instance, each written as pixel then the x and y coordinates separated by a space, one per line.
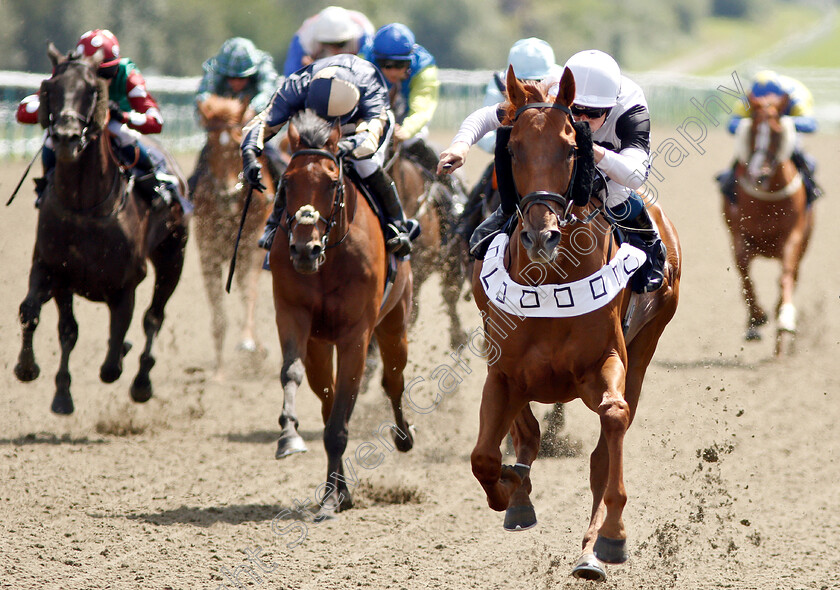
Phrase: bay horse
pixel 596 354
pixel 423 199
pixel 94 233
pixel 770 216
pixel 329 281
pixel 219 197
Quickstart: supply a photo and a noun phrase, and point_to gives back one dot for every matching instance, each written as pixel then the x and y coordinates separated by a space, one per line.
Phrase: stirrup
pixel 267 238
pixel 397 240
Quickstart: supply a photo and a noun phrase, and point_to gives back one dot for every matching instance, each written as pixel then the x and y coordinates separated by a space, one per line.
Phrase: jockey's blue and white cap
pixel 331 93
pixel 767 82
pixel 531 58
pixel 597 78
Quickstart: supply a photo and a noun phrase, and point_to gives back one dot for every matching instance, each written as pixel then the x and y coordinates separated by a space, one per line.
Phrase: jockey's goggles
pixel 588 112
pixel 393 64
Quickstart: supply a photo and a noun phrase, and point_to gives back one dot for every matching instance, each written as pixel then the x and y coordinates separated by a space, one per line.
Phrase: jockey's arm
pixel 145 114
pixel 289 99
pixel 629 165
pixel 802 109
pixel 424 90
pixel 492 96
pixel 474 127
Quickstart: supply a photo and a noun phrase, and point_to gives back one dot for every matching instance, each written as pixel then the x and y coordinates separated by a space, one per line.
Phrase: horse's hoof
pixel 752 335
pixel 62 404
pixel 110 374
pixel 248 346
pixel 520 518
pixel 27 374
pixel 787 318
pixel 326 514
pixel 141 389
pixel 589 568
pixel 404 444
pixel 289 445
pixel 611 550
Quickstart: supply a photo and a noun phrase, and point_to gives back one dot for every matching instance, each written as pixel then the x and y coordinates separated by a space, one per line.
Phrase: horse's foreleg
pixel 68 333
pixel 291 376
pixel 605 395
pixel 451 287
pixel 39 293
pixel 757 317
pixel 791 257
pixel 121 310
pixel 525 432
pixel 248 283
pixel 350 366
pixel 211 271
pixel 496 414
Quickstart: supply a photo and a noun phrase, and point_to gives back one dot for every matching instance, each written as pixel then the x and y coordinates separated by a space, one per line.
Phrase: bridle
pixel 549 198
pixel 86 136
pixel 309 215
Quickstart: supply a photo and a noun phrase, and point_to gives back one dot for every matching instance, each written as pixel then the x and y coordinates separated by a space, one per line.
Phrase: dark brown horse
pixel 219 197
pixel 769 217
pixel 329 279
pixel 560 258
pixel 423 199
pixel 94 233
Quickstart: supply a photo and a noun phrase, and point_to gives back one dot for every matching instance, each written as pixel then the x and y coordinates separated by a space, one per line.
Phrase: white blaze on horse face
pixel 224 138
pixel 762 143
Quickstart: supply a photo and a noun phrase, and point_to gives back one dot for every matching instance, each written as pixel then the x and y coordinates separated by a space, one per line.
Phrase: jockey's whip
pixel 238 236
pixel 25 174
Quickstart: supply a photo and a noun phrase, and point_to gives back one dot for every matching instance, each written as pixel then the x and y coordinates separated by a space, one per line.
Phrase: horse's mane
pixel 314 131
pixel 534 92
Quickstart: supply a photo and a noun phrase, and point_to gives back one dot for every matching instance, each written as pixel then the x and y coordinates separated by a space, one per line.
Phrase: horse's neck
pixel 87 181
pixel 583 250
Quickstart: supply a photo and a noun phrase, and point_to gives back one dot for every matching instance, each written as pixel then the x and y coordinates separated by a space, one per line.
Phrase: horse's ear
pixel 56 57
pixel 585 172
pixel 566 89
pixel 515 89
pixel 294 138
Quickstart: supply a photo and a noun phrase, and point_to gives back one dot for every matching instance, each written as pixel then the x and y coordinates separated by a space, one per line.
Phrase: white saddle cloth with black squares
pixel 556 300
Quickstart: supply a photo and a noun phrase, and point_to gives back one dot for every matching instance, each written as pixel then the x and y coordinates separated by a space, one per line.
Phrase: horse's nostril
pixel 526 239
pixel 317 249
pixel 292 249
pixel 552 239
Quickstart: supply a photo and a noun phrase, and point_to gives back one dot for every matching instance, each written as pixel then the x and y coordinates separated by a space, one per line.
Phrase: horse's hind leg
pixel 26 368
pixel 168 260
pixel 68 333
pixel 122 309
pixel 393 347
pixel 525 432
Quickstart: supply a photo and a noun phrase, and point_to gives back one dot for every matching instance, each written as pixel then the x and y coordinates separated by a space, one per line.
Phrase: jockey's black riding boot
pixel 275 218
pixel 48 165
pixel 807 167
pixel 399 231
pixel 151 189
pixel 642 233
pixel 276 165
pixel 726 181
pixel 490 227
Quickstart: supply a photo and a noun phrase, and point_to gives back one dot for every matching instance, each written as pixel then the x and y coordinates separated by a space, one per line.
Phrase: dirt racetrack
pixel 732 465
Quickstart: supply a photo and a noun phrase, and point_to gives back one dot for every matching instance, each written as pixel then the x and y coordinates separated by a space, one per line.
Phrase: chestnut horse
pixel 94 233
pixel 769 217
pixel 329 278
pixel 219 198
pixel 599 354
pixel 423 199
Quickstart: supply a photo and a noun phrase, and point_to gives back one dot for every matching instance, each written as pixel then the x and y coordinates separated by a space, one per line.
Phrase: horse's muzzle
pixel 308 257
pixel 541 245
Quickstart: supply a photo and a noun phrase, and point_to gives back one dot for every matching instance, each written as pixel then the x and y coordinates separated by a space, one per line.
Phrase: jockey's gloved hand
pixel 251 170
pixel 345 147
pixel 116 112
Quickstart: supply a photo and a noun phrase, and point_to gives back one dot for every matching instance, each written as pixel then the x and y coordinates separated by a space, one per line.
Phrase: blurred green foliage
pixel 174 37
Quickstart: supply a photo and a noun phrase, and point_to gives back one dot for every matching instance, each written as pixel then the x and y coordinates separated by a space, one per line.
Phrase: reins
pixel 308 215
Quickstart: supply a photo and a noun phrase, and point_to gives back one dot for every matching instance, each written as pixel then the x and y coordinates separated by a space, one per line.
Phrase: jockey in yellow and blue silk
pixel 800 106
pixel 133 111
pixel 347 90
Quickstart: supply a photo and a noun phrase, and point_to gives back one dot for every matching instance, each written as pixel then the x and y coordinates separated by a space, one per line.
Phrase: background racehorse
pixel 219 198
pixel 94 234
pixel 769 216
pixel 599 355
pixel 424 199
pixel 329 298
